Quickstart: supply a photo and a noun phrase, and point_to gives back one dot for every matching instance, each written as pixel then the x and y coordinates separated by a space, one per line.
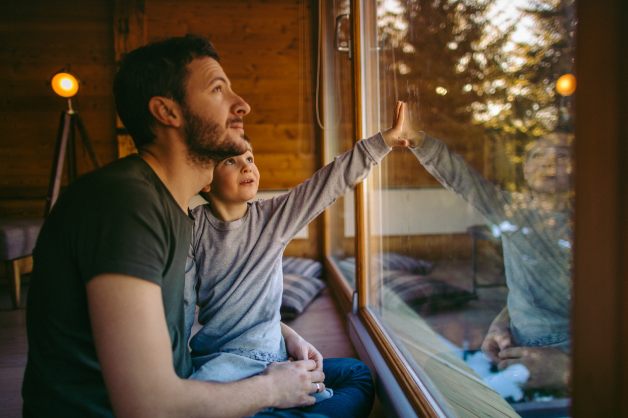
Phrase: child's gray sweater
pixel 536 246
pixel 235 275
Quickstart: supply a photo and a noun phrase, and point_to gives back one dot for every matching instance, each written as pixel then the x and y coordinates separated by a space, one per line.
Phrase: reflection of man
pixel 535 227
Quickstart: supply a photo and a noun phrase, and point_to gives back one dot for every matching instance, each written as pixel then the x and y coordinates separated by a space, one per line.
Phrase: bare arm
pixel 133 348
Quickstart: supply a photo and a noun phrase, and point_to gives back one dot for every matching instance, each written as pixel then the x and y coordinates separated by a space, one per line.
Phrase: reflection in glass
pixel 338 125
pixel 470 256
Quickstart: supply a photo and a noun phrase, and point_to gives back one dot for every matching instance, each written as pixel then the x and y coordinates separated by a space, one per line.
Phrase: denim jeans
pixel 353 393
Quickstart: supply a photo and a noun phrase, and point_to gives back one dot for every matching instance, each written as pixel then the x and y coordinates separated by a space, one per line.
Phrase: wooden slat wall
pixel 266 50
pixel 38 38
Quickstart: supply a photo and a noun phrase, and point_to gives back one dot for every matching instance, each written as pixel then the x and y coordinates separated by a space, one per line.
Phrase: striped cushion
pixel 395 261
pixel 298 292
pixel 302 267
pixel 424 294
pixel 389 261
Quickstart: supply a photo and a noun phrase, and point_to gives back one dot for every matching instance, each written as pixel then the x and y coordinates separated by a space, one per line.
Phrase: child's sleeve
pixel 452 171
pixel 295 209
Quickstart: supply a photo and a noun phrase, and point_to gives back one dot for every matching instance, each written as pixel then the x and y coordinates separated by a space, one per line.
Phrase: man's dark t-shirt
pixel 120 219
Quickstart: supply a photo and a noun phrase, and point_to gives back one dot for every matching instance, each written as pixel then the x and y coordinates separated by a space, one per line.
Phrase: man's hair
pixel 157 69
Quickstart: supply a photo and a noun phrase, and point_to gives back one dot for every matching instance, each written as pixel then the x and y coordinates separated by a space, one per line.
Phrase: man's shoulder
pixel 129 178
pixel 121 186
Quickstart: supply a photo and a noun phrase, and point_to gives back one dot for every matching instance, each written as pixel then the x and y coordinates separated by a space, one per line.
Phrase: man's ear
pixel 165 111
pixel 206 189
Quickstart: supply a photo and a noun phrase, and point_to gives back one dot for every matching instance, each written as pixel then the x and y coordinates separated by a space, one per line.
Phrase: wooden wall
pixel 265 47
pixel 38 38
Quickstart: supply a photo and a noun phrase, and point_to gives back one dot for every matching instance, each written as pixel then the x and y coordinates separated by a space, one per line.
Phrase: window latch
pixel 343 34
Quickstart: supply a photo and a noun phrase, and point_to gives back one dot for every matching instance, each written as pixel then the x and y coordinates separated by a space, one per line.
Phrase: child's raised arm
pixel 295 209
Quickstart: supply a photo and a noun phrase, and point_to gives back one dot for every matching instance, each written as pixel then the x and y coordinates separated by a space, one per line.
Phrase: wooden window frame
pixel 599 316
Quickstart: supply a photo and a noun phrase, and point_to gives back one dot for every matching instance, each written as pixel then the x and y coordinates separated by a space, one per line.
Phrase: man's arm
pixel 134 352
pixel 498 337
pixel 549 367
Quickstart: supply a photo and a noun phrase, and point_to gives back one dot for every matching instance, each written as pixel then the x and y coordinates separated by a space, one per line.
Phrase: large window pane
pixel 338 127
pixel 472 230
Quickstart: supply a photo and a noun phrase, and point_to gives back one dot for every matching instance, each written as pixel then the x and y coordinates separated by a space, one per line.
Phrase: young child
pixel 536 232
pixel 234 271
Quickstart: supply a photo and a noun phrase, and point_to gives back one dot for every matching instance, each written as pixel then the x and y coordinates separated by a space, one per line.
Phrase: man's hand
pixel 291 383
pixel 498 337
pixel 403 133
pixel 549 367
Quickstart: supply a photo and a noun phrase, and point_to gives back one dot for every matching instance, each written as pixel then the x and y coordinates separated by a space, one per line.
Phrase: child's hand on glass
pixel 402 133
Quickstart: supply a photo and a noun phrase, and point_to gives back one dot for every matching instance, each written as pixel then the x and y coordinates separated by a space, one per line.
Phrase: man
pixel 105 310
pixel 536 232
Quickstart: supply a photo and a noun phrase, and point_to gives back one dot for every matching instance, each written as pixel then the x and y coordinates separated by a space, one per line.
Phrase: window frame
pixel 600 249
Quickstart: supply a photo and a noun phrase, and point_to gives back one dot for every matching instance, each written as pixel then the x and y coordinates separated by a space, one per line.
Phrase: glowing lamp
pixel 566 84
pixel 65 84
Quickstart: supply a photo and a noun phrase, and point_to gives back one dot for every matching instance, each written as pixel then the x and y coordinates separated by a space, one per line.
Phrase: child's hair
pixel 205 195
pixel 563 139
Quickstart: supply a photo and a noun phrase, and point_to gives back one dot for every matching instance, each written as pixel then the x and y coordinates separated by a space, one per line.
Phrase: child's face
pixel 236 179
pixel 548 167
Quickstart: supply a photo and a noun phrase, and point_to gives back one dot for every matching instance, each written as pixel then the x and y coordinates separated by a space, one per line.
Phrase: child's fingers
pixel 397 113
pixel 401 117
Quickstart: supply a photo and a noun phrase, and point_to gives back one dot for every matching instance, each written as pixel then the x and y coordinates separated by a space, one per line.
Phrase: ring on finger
pixel 318 387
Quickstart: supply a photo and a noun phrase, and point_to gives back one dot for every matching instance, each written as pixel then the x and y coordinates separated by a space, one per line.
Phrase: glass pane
pixel 338 108
pixel 470 256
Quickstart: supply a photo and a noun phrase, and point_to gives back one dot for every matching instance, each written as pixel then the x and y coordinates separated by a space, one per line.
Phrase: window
pixel 338 127
pixel 473 228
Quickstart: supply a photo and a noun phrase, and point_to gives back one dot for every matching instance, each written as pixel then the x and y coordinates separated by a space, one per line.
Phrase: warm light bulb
pixel 566 84
pixel 65 84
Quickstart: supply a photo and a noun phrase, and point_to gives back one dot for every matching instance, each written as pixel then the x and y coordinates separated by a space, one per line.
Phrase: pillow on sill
pixel 424 294
pixel 390 261
pixel 302 266
pixel 395 261
pixel 298 292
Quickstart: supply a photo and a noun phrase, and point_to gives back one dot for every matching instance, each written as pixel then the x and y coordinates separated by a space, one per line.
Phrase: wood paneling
pixel 38 38
pixel 265 47
pixel 600 312
pixel 266 50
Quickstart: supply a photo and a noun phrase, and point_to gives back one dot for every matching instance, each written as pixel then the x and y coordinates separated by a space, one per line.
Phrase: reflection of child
pixel 235 272
pixel 535 227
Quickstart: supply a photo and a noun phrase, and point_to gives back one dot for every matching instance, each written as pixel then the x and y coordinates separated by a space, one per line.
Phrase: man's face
pixel 236 179
pixel 213 113
pixel 548 167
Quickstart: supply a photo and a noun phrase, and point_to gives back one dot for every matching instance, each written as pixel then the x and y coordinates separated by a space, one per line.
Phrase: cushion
pixel 424 294
pixel 298 292
pixel 302 266
pixel 395 261
pixel 18 237
pixel 389 261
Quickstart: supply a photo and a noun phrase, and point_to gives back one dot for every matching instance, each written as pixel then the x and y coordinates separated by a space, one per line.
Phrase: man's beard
pixel 204 140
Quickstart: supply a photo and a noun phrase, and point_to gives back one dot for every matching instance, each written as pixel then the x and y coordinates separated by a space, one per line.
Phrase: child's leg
pixel 353 392
pixel 226 367
pixel 353 389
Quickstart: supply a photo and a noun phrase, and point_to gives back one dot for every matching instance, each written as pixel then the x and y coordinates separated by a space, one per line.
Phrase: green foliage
pixel 477 69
